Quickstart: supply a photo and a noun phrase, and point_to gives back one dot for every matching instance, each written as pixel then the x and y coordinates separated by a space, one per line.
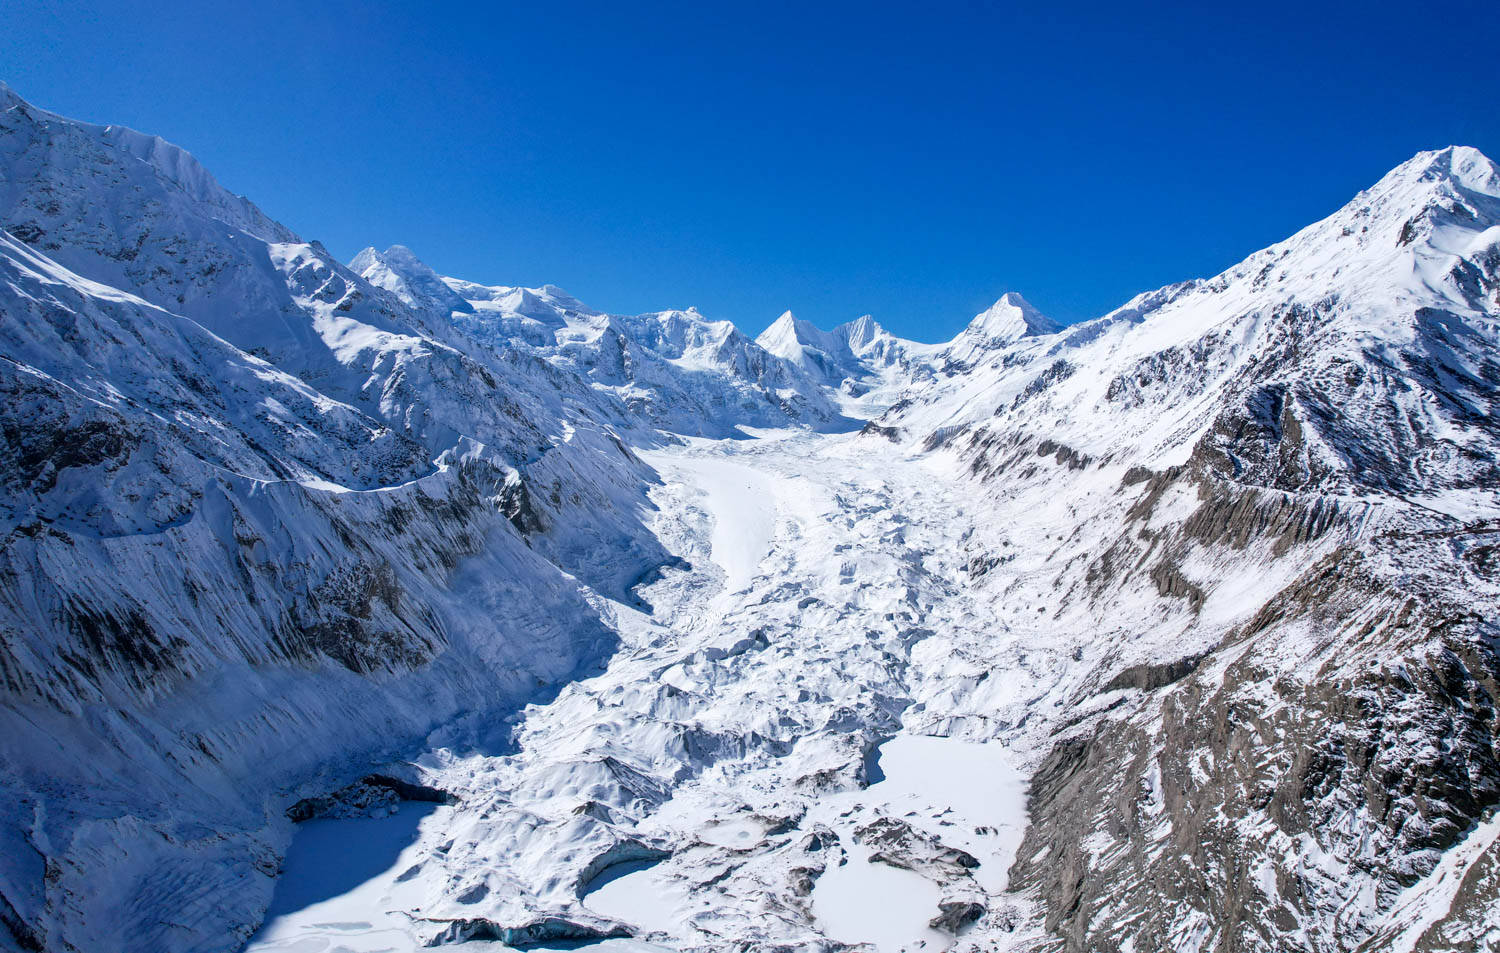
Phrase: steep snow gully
pixel 782 663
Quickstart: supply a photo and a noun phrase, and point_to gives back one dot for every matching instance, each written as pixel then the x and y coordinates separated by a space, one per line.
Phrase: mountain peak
pixel 405 256
pixel 399 271
pixel 1009 319
pixel 1434 185
pixel 363 259
pixel 789 323
pixel 1464 164
pixel 1003 323
pixel 860 332
pixel 788 334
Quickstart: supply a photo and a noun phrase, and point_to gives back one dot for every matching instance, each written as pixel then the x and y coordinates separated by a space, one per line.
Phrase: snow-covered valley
pixel 729 737
pixel 365 608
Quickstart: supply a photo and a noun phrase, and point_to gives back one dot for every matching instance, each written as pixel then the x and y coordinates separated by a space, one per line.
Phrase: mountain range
pixel 1169 630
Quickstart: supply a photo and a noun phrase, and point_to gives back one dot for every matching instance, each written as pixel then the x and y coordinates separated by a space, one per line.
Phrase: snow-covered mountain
pixel 247 501
pixel 675 370
pixel 1172 630
pixel 850 356
pixel 1004 323
pixel 1276 490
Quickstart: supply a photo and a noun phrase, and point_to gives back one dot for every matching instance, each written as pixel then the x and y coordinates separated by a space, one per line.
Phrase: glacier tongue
pixel 729 738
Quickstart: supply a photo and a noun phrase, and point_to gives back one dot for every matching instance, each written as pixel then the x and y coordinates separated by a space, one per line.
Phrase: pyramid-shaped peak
pixel 859 332
pixel 789 323
pixel 1010 318
pixel 787 334
pixel 399 271
pixel 396 258
pixel 366 257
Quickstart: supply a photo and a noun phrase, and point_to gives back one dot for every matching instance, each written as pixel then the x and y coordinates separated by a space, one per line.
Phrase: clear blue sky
pixel 913 161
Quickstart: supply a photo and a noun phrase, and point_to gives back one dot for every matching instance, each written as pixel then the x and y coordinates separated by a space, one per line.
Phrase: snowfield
pixel 741 504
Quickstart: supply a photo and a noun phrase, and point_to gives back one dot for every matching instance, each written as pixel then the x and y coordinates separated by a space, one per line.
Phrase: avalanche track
pixel 709 786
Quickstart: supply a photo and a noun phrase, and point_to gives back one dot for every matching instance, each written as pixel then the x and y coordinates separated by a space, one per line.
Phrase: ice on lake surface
pixel 971 786
pixel 629 893
pixel 339 882
pixel 861 902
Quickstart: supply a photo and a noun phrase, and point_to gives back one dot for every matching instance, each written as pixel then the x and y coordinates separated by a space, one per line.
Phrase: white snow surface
pixel 741 502
pixel 677 370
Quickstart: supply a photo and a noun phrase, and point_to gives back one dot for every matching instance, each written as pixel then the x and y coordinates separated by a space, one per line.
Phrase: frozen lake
pixel 951 788
pixel 629 893
pixel 340 888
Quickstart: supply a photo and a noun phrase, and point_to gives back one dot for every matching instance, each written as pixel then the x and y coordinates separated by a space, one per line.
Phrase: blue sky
pixel 910 161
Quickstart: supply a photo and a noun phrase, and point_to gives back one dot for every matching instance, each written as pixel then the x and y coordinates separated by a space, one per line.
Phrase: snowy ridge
pixel 678 370
pixel 65 141
pixel 1388 281
pixel 1169 630
pixel 211 550
pixel 403 274
pixel 1218 453
pixel 850 356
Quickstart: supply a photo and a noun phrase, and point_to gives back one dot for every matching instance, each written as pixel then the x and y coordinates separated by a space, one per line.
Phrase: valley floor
pixel 708 787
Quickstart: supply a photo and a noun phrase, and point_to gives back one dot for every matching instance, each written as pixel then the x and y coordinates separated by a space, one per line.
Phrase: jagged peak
pixel 399 271
pixel 1464 165
pixel 859 332
pixel 363 259
pixel 396 257
pixel 1009 319
pixel 788 334
pixel 1435 182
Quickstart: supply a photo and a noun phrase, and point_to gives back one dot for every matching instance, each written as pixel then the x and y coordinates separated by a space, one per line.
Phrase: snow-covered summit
pixel 861 333
pixel 34 138
pixel 1405 275
pixel 1001 324
pixel 690 374
pixel 402 273
pixel 856 351
pixel 676 369
pixel 1212 580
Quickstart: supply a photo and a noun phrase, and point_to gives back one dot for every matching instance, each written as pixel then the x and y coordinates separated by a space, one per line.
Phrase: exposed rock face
pixel 893 841
pixel 956 914
pixel 1332 748
pixel 1297 458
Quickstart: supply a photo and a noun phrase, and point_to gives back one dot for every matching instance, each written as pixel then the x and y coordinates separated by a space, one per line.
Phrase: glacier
pixel 355 606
